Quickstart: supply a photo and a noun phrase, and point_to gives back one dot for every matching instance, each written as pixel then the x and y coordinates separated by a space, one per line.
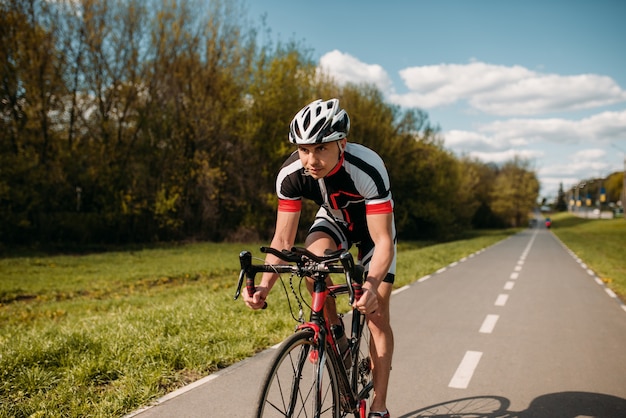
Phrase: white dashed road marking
pixel 465 371
pixel 501 300
pixel 489 324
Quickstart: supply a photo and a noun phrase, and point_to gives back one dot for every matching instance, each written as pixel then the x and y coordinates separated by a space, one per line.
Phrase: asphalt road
pixel 521 329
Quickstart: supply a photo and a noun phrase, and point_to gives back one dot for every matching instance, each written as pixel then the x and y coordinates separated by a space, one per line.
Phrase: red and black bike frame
pixel 319 271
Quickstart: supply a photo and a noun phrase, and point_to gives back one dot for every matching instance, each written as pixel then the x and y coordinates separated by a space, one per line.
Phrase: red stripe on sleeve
pixel 289 205
pixel 379 208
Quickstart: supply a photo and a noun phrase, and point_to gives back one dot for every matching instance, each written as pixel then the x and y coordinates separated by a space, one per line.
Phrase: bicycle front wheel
pixel 299 382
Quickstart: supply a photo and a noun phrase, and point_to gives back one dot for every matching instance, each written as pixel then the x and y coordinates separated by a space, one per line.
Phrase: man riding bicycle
pixel 351 185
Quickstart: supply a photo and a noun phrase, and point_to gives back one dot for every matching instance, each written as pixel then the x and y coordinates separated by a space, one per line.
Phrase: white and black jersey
pixel 358 186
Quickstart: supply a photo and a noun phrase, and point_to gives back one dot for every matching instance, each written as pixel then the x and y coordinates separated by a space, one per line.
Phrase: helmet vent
pixel 307 121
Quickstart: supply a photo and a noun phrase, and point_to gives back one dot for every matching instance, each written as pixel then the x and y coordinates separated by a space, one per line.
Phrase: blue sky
pixel 544 80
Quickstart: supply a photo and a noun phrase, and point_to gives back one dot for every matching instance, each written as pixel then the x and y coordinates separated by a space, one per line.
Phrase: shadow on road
pixel 554 405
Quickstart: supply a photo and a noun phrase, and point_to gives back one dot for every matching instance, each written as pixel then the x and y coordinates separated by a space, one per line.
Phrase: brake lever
pixel 245 260
pixel 347 261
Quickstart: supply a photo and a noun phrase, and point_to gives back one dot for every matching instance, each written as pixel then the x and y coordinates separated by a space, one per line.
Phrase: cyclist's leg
pixel 381 343
pixel 381 347
pixel 318 243
pixel 325 234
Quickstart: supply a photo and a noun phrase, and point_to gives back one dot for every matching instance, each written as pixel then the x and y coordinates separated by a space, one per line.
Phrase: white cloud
pixel 571 169
pixel 467 140
pixel 437 85
pixel 603 128
pixel 506 155
pixel 345 68
pixel 588 154
pixel 502 90
pixel 491 89
pixel 580 164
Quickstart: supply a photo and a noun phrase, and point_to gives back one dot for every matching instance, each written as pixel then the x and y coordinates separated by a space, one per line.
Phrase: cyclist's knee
pixel 318 242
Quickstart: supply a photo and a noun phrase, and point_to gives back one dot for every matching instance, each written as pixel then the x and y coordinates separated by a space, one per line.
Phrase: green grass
pixel 101 335
pixel 600 243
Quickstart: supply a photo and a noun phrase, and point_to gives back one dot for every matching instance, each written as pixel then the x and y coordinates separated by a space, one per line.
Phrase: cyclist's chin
pixel 317 174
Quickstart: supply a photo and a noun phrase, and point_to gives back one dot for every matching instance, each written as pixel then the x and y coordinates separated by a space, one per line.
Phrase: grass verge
pixel 600 243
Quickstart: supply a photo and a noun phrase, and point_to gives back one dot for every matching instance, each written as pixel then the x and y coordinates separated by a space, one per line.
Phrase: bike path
pixel 517 330
pixel 520 330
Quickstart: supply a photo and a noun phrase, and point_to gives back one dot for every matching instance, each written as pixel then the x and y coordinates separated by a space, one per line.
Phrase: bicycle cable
pixel 282 281
pixel 298 299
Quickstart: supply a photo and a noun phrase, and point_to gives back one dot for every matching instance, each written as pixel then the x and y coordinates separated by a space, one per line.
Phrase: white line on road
pixel 514 276
pixel 402 289
pixel 509 285
pixel 465 371
pixel 501 300
pixel 489 324
pixel 518 268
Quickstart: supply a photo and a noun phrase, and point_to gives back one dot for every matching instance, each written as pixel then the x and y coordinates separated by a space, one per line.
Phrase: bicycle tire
pixel 289 385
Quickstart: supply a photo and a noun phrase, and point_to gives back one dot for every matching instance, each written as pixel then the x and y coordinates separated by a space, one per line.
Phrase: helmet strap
pixel 341 147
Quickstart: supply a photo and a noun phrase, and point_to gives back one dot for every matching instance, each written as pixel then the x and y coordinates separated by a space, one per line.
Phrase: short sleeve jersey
pixel 358 186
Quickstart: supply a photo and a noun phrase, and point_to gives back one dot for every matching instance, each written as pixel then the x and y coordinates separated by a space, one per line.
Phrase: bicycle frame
pixel 319 323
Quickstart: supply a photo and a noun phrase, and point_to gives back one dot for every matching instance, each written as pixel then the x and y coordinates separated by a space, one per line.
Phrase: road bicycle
pixel 308 376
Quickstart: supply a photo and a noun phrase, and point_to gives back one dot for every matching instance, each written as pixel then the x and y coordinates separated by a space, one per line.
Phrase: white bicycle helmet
pixel 319 121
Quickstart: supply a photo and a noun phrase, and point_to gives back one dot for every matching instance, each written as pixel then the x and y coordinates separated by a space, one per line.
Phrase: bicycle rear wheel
pixel 291 384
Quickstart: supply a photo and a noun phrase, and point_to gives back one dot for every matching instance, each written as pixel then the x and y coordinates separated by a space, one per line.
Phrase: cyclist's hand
pixel 368 303
pixel 257 300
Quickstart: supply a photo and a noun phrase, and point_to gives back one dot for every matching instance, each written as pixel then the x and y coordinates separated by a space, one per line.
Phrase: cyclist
pixel 351 185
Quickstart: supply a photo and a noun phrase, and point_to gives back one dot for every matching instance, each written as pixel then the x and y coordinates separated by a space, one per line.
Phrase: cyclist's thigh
pixel 326 234
pixel 318 242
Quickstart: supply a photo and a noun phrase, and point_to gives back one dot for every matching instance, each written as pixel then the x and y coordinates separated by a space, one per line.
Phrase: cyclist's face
pixel 319 159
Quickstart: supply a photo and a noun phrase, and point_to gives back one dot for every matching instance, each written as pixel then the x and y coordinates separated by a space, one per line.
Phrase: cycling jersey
pixel 357 186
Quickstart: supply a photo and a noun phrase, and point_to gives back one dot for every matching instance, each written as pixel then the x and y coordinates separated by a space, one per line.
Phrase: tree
pixel 561 203
pixel 613 185
pixel 132 120
pixel 31 96
pixel 515 192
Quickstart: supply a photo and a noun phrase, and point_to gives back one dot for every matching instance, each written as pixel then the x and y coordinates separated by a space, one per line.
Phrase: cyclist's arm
pixel 380 228
pixel 284 238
